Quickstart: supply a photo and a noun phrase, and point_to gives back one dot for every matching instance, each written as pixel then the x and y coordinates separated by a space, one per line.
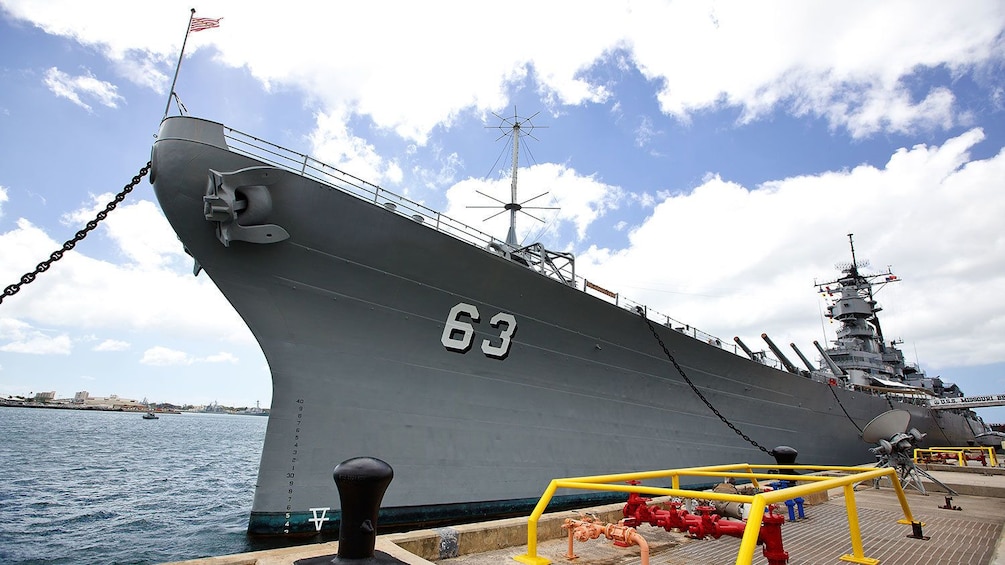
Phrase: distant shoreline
pixel 59 406
pixel 24 404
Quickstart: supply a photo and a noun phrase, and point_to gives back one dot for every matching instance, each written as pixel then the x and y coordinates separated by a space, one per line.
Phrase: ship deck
pixel 974 534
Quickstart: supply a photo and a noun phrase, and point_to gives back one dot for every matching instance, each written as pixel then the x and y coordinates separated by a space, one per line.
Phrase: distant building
pixel 213 408
pixel 111 402
pixel 83 399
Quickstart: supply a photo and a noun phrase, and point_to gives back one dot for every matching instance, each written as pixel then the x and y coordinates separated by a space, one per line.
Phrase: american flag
pixel 199 24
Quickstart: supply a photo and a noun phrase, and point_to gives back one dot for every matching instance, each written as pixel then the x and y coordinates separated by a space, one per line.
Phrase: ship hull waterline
pixel 475 378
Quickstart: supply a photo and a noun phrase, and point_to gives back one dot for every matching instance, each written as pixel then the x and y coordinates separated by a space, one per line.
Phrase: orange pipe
pixel 584 530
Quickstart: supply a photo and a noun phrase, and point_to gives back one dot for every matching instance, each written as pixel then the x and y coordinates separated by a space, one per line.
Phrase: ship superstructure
pixel 861 354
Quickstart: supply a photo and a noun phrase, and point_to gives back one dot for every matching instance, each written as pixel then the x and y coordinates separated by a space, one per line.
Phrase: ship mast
pixel 866 283
pixel 515 127
pixel 854 262
pixel 513 207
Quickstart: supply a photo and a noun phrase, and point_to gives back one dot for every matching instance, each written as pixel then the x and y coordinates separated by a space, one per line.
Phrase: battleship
pixel 481 369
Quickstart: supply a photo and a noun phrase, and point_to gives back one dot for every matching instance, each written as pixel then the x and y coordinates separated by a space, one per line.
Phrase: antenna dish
pixel 886 425
pixel 895 448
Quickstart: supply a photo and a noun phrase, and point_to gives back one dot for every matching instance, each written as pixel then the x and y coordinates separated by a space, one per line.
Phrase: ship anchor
pixel 237 201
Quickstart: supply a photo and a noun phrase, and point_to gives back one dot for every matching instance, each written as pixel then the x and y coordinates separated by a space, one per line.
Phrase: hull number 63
pixel 459 331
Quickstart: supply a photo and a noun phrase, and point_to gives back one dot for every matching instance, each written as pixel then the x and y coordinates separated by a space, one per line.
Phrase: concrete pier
pixel 972 535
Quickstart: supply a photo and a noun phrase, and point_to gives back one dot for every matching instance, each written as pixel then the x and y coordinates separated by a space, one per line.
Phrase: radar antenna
pixel 896 447
pixel 515 127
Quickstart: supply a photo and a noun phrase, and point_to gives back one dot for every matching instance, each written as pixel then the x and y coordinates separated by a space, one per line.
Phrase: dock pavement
pixel 964 530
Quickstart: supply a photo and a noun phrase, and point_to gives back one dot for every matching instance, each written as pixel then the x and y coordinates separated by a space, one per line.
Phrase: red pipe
pixel 706 523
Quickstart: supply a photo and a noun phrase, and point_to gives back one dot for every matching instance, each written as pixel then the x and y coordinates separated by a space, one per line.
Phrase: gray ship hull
pixel 366 318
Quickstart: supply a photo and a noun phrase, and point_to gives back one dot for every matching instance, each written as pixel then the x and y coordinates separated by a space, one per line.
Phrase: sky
pixel 705 158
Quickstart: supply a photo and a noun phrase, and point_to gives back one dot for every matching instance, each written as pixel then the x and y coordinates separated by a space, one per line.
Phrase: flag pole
pixel 188 30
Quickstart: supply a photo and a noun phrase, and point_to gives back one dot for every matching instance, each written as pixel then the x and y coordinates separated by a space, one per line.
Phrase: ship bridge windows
pixel 855 359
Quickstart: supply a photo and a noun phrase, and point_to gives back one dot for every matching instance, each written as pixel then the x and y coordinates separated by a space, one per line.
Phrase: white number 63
pixel 459 333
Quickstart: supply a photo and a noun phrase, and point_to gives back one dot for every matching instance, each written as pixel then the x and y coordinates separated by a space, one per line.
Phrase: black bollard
pixel 784 455
pixel 361 483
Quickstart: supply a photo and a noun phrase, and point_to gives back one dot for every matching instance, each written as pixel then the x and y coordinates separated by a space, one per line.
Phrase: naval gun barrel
pixel 803 357
pixel 827 359
pixel 778 353
pixel 744 347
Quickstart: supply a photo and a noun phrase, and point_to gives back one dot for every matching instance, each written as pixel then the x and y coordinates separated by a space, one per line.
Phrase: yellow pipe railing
pixel 959 453
pixel 758 502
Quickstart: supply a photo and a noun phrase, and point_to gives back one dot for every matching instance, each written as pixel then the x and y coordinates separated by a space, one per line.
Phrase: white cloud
pixel 645 131
pixel 115 28
pixel 112 345
pixel 3 198
pixel 163 356
pixel 19 337
pixel 435 179
pixel 333 142
pixel 583 199
pixel 138 229
pixel 144 69
pixel 894 111
pixel 153 289
pixel 742 260
pixel 72 88
pixel 845 62
pixel 221 357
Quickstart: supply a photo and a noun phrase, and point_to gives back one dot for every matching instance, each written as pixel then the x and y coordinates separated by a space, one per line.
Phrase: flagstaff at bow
pixel 194 24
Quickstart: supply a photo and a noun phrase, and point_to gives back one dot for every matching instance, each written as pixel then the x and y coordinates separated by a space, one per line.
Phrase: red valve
pixel 706 523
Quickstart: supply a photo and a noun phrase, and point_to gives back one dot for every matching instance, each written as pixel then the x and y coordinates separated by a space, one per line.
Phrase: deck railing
pixel 322 172
pixel 956 454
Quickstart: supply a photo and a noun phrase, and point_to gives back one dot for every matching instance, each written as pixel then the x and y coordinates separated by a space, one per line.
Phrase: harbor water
pixel 110 487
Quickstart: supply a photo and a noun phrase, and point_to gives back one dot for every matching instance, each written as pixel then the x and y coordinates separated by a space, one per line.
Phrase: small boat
pixel 150 416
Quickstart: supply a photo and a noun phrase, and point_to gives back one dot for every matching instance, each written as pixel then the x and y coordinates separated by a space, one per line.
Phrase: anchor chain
pixel 13 289
pixel 695 389
pixel 843 409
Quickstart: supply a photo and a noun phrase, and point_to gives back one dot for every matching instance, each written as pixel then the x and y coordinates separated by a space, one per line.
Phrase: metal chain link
pixel 13 289
pixel 935 418
pixel 834 392
pixel 695 389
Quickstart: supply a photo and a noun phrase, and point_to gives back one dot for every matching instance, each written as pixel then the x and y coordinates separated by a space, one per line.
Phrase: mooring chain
pixel 695 389
pixel 13 289
pixel 943 430
pixel 842 408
